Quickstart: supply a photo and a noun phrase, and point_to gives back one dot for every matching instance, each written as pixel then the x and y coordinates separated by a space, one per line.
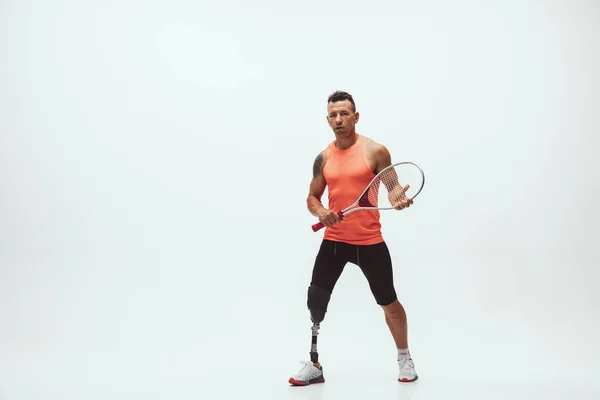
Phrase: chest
pixel 348 168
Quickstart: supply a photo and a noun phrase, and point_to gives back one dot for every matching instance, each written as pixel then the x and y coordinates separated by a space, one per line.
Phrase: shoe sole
pixel 301 383
pixel 405 380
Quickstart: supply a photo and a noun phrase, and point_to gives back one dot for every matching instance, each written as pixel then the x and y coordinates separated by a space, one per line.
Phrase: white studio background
pixel 154 164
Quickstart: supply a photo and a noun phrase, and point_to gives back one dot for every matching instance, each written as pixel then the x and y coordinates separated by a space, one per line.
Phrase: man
pixel 346 167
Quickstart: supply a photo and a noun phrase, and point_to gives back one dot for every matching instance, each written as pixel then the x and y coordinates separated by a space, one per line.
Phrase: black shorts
pixel 374 260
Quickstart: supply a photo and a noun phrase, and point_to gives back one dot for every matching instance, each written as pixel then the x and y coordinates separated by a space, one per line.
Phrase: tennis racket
pixel 404 179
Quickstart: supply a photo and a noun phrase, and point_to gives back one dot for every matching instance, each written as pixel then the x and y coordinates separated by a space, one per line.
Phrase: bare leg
pixel 395 317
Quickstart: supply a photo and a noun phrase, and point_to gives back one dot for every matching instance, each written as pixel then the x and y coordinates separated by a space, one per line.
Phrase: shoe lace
pixel 309 370
pixel 406 364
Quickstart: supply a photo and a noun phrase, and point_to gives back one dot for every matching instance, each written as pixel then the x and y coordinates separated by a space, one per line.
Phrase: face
pixel 341 118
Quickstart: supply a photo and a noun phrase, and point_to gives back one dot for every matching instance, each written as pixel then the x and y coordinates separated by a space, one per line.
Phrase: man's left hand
pixel 398 198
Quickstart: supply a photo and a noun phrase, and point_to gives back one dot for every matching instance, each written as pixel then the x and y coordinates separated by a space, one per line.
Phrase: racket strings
pixel 371 197
pixel 391 185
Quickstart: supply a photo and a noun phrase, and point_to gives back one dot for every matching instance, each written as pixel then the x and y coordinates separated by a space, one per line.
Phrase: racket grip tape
pixel 317 226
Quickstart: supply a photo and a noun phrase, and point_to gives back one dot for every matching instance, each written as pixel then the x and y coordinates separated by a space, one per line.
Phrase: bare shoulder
pixel 378 154
pixel 374 148
pixel 319 163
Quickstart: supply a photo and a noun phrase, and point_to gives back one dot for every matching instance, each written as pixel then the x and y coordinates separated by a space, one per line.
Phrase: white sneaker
pixel 308 375
pixel 407 370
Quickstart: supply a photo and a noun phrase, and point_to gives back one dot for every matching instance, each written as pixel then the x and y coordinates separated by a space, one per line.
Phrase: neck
pixel 344 143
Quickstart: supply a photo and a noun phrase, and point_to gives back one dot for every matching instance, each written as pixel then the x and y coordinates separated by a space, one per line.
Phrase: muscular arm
pixel 317 187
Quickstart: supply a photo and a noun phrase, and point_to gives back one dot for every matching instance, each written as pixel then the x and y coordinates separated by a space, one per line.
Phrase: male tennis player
pixel 346 167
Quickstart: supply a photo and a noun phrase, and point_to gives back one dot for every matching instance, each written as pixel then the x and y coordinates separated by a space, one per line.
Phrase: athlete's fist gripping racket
pixel 328 217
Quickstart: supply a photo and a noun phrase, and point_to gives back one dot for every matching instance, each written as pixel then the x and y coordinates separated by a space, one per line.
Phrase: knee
pixel 393 309
pixel 318 299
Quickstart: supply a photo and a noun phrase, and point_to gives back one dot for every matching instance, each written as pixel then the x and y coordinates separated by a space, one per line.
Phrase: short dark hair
pixel 341 96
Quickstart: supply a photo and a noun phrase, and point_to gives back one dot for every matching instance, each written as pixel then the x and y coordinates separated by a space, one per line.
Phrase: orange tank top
pixel 347 174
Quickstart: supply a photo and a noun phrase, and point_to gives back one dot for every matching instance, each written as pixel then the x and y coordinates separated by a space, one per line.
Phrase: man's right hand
pixel 328 217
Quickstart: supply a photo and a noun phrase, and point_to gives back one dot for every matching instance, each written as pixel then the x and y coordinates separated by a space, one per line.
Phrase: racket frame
pixel 350 209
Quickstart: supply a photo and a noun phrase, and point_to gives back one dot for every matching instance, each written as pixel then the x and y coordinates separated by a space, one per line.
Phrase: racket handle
pixel 317 226
pixel 320 225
